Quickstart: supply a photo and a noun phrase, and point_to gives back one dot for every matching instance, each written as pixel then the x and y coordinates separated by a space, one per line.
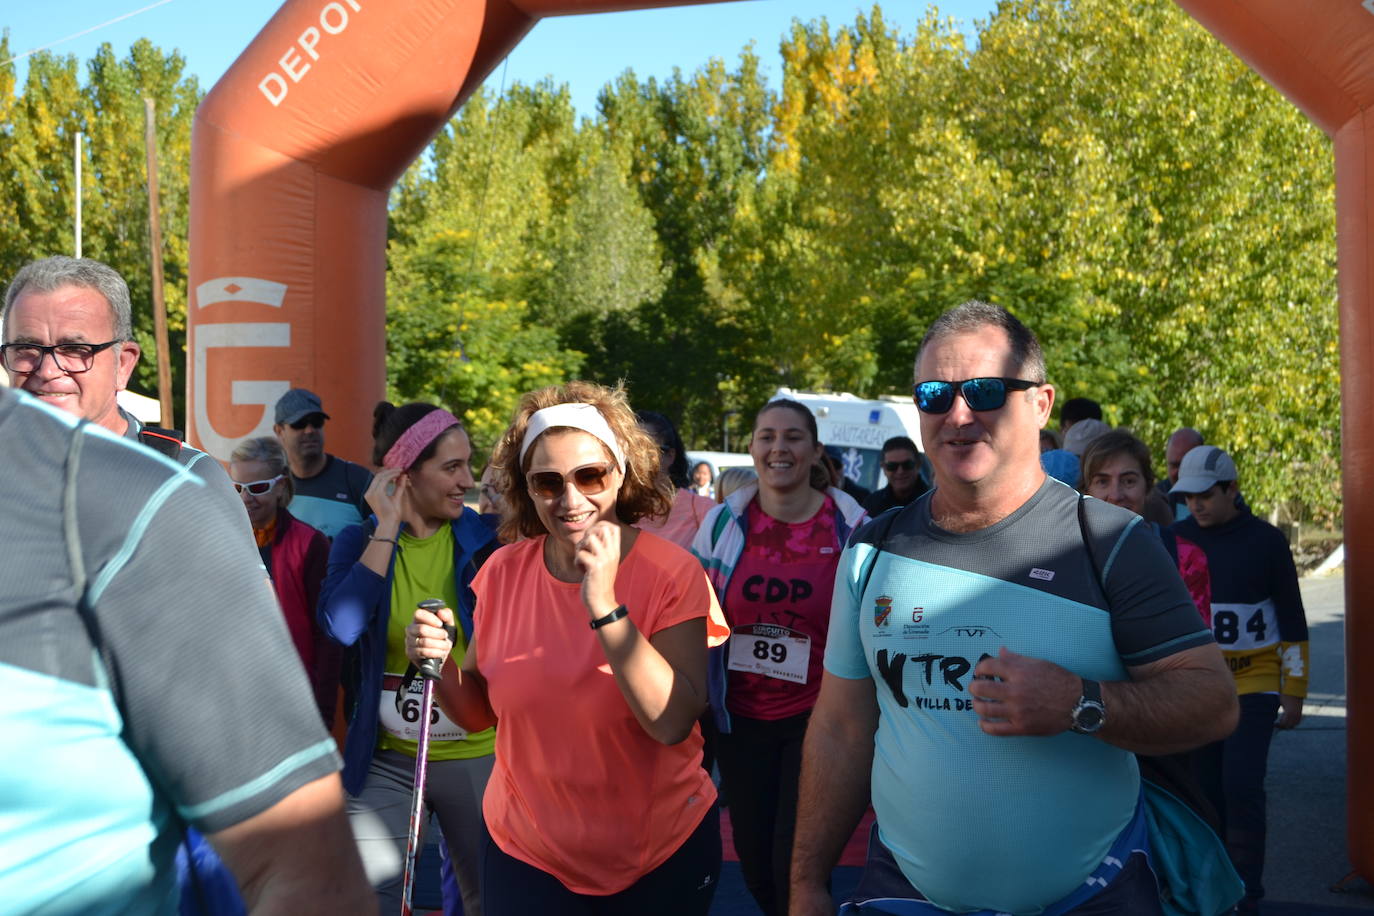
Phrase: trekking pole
pixel 430 671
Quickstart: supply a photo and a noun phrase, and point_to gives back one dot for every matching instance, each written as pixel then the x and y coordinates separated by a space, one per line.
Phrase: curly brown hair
pixel 642 493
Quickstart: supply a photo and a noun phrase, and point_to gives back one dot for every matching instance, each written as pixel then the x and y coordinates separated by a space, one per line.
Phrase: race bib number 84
pixel 770 650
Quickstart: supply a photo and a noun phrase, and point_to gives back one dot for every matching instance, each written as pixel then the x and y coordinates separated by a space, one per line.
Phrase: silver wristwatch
pixel 1090 714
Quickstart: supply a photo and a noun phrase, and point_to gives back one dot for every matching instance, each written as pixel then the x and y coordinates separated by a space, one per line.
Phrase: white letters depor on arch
pixel 334 20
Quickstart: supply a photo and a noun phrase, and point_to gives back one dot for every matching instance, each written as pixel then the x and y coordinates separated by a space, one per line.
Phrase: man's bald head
pixel 1180 443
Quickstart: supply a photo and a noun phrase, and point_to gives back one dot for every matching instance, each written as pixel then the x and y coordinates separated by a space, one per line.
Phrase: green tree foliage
pixel 475 238
pixel 454 343
pixel 694 149
pixel 116 209
pixel 1161 217
pixel 39 169
pixel 1191 207
pixel 38 174
pixel 11 242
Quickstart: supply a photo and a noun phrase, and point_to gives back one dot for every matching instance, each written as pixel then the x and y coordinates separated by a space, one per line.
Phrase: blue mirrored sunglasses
pixel 990 393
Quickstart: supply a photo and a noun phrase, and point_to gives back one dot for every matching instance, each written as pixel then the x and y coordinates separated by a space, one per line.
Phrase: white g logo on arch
pixel 219 439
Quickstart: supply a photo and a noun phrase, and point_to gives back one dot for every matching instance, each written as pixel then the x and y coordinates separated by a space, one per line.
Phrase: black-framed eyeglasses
pixel 69 357
pixel 257 487
pixel 314 421
pixel 989 393
pixel 590 479
pixel 906 464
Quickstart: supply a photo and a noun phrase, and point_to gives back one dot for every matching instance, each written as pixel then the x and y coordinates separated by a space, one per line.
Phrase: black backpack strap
pixel 1170 543
pixel 358 481
pixel 882 527
pixel 164 441
pixel 1088 545
pixel 1175 773
pixel 483 553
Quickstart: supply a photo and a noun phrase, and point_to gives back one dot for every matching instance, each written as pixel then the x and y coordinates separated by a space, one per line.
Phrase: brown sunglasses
pixel 590 479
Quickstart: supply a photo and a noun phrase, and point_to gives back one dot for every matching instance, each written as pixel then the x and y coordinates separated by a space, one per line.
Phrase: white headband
pixel 574 416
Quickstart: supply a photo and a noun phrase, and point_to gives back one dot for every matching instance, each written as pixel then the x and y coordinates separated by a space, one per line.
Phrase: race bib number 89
pixel 771 651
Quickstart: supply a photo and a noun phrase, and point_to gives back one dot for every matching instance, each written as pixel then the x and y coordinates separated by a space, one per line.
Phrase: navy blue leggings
pixel 1233 777
pixel 684 885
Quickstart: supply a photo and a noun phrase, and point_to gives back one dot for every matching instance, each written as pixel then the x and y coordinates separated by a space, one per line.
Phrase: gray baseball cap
pixel 298 403
pixel 1082 434
pixel 1202 468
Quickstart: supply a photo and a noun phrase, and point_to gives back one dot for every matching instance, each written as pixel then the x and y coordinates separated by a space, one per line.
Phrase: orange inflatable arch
pixel 295 150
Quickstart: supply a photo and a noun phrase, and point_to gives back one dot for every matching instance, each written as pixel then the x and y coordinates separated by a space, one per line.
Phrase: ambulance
pixel 853 429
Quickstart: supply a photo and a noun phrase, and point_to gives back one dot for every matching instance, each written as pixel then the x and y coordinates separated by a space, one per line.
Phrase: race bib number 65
pixel 402 720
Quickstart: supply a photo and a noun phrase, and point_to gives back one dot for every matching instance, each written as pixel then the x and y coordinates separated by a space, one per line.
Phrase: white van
pixel 853 429
pixel 719 461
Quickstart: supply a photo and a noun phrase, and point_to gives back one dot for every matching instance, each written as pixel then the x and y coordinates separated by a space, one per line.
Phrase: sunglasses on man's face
pixel 314 421
pixel 257 487
pixel 937 397
pixel 590 479
pixel 905 465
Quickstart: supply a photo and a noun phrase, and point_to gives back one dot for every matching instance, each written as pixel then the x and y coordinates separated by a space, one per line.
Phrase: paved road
pixel 1306 851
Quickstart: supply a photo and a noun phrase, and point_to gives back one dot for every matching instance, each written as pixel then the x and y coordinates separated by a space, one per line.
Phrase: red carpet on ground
pixel 854 851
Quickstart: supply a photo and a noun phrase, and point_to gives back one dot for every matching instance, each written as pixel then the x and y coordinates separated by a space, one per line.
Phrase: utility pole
pixel 164 362
pixel 78 193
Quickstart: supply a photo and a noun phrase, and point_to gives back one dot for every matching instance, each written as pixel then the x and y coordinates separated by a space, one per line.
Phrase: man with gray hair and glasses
pixel 68 341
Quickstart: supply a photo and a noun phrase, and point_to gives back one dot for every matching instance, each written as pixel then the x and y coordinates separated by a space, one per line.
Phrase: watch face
pixel 1087 717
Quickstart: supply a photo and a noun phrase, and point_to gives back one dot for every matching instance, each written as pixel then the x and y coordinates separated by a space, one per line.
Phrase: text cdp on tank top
pixel 778 604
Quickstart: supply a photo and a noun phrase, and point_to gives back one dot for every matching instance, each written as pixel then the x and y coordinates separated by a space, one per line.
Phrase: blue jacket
pixel 355 604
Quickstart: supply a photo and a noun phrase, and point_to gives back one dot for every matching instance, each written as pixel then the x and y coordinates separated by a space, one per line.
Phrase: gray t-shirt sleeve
pixel 1153 616
pixel 219 485
pixel 218 708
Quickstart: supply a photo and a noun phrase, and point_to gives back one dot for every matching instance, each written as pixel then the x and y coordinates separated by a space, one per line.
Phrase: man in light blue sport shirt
pixel 997 651
pixel 149 683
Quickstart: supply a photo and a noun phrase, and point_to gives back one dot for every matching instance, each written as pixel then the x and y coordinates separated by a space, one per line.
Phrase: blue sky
pixel 584 51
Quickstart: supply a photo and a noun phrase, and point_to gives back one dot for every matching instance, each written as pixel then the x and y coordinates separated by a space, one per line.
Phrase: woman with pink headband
pixel 590 652
pixel 421 543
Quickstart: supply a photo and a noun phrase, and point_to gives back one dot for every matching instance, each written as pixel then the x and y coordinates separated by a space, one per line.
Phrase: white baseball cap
pixel 1202 468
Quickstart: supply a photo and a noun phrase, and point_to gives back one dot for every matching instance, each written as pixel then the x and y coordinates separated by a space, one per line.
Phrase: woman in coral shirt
pixel 589 654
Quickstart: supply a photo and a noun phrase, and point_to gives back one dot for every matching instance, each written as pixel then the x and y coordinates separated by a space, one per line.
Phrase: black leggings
pixel 684 885
pixel 760 767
